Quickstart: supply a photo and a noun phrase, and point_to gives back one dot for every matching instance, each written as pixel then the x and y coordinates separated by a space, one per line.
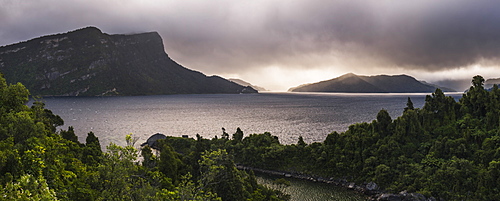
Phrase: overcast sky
pixel 281 44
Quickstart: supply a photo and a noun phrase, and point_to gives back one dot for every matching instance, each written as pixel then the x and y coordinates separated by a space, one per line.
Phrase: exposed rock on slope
pixel 87 62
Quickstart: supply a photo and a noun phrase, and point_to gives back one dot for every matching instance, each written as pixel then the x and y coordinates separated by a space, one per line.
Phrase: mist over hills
pixel 465 84
pixel 87 62
pixel 351 83
pixel 245 83
pixel 490 82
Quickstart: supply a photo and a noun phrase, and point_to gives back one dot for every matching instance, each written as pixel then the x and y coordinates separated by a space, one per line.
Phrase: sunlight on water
pixel 286 115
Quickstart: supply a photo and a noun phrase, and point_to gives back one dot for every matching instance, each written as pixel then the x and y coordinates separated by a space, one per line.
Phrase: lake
pixel 286 115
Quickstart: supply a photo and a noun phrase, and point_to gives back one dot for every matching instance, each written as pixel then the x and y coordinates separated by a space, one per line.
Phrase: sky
pixel 281 44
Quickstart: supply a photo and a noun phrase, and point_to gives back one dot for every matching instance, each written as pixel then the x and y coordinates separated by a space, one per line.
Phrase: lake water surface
pixel 286 115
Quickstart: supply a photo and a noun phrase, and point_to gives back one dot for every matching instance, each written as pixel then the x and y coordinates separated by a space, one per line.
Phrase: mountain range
pixel 351 83
pixel 88 62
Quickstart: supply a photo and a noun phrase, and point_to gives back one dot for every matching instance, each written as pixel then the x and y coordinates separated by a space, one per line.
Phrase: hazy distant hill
pixel 458 84
pixel 244 83
pixel 88 62
pixel 490 82
pixel 351 83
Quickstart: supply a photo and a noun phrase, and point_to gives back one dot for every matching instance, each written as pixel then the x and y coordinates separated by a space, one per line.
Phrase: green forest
pixel 447 149
pixel 37 162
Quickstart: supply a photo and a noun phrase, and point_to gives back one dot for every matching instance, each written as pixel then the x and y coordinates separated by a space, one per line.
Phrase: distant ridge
pixel 87 62
pixel 244 83
pixel 490 82
pixel 352 83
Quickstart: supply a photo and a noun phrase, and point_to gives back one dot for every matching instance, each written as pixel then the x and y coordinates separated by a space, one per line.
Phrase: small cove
pixel 303 190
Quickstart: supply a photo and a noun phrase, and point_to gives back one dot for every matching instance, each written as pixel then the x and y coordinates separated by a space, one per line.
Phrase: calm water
pixel 287 115
pixel 301 190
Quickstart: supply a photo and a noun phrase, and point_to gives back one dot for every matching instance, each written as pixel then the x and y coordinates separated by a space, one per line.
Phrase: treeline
pixel 447 149
pixel 39 163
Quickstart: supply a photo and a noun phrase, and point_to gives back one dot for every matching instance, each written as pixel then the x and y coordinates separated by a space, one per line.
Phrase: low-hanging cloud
pixel 232 37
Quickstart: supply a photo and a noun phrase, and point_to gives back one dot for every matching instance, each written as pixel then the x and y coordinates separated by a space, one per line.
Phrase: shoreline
pixel 370 189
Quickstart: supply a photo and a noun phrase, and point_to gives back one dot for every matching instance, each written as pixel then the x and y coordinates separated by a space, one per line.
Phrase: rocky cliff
pixel 87 62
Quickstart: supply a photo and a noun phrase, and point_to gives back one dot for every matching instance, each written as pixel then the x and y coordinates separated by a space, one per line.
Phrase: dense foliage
pixel 446 149
pixel 39 163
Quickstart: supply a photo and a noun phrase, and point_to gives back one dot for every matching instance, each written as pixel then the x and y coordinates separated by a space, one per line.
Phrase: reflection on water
pixel 302 190
pixel 286 115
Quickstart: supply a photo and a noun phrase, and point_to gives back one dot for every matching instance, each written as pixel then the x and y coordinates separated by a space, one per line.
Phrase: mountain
pixel 490 82
pixel 87 62
pixel 244 83
pixel 351 83
pixel 459 84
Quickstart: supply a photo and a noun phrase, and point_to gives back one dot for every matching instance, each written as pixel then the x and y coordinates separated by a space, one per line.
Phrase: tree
pixel 478 81
pixel 383 121
pixel 474 101
pixel 219 175
pixel 118 176
pixel 70 135
pixel 169 163
pixel 225 135
pixel 238 136
pixel 92 152
pixel 409 105
pixel 187 190
pixel 28 187
pixel 301 142
pixel 46 116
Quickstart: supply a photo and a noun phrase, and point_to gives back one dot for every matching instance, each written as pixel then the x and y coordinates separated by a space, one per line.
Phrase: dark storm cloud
pixel 425 35
pixel 428 35
pixel 224 36
pixel 458 34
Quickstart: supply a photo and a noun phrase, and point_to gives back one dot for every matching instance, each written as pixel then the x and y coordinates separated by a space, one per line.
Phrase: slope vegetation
pixel 87 62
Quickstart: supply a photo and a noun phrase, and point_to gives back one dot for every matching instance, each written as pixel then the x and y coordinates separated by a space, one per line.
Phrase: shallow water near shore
pixel 303 190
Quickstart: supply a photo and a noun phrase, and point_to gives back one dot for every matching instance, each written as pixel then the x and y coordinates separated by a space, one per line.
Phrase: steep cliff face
pixel 87 62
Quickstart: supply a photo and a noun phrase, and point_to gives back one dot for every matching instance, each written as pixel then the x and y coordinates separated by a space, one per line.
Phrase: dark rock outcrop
pixel 152 141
